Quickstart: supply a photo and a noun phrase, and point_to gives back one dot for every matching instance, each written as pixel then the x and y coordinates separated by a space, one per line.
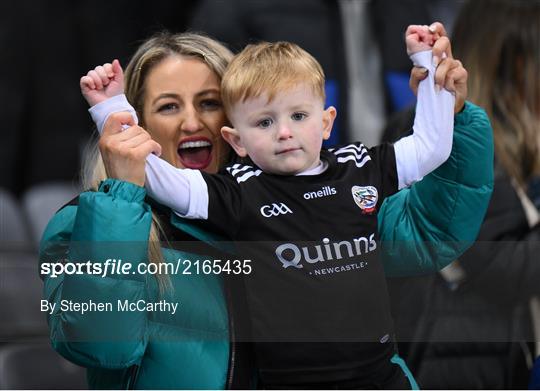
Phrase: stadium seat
pixel 34 365
pixel 27 360
pixel 20 295
pixel 42 201
pixel 13 226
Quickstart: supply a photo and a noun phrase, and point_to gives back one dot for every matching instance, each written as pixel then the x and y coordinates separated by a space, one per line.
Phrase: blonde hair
pixel 268 68
pixel 151 53
pixel 502 57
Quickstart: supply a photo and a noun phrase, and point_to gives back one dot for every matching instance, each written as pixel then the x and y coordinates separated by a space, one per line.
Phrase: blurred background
pixel 47 46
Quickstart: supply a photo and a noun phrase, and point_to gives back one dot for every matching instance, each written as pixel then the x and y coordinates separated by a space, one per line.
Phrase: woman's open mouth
pixel 195 153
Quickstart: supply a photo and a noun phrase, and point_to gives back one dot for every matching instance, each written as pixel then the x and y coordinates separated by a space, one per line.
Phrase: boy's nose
pixel 284 132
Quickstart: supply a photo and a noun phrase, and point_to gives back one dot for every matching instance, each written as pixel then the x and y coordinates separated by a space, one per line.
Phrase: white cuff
pixel 101 112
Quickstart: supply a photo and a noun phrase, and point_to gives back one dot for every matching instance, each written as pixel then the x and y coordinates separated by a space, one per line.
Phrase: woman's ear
pixel 232 136
pixel 329 115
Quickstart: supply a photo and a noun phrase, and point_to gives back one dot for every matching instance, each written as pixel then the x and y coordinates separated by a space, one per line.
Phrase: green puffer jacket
pixel 424 228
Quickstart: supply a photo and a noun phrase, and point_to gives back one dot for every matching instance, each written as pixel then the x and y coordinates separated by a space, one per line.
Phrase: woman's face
pixel 182 111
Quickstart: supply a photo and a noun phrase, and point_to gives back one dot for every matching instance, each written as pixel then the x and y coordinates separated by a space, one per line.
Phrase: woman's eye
pixel 265 123
pixel 298 116
pixel 210 104
pixel 168 107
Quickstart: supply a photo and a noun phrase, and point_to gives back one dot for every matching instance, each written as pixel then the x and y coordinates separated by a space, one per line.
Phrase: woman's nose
pixel 191 121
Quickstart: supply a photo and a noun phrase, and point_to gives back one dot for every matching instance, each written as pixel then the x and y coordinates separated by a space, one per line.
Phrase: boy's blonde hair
pixel 268 68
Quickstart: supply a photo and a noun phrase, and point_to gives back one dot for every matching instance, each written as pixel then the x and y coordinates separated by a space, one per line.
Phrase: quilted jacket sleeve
pixel 112 223
pixel 427 226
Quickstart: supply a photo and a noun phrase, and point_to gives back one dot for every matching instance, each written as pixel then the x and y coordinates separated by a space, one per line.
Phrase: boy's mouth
pixel 195 153
pixel 287 150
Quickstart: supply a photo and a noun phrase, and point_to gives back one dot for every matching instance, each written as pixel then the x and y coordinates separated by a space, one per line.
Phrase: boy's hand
pixel 419 38
pixel 103 82
pixel 449 74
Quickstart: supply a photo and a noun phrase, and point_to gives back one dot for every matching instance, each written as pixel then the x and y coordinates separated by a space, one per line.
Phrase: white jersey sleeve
pixel 431 143
pixel 183 190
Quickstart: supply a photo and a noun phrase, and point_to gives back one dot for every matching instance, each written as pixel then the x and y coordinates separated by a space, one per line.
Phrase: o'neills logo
pixel 324 192
pixel 290 254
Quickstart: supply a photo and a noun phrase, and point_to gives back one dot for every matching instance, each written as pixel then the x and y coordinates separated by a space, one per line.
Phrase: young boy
pixel 316 296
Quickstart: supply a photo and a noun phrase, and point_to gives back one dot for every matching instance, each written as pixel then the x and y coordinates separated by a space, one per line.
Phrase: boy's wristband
pixel 101 112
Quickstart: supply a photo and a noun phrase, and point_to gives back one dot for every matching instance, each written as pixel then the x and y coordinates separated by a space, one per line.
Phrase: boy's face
pixel 283 136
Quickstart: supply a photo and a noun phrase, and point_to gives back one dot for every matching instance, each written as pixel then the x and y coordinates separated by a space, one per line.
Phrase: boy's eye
pixel 298 116
pixel 265 123
pixel 167 107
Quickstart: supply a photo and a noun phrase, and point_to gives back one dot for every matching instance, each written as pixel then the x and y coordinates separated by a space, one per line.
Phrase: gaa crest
pixel 365 197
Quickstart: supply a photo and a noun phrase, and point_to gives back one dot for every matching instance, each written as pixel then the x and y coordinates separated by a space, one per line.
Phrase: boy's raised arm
pixel 103 89
pixel 183 190
pixel 430 144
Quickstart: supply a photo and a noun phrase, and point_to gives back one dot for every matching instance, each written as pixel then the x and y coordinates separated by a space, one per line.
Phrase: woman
pixel 173 351
pixel 172 82
pixel 489 289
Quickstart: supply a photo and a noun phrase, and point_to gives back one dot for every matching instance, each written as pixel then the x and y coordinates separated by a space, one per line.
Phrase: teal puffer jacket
pixel 424 228
pixel 427 226
pixel 187 349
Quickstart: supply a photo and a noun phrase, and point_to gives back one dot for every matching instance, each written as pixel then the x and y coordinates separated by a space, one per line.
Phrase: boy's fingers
pixel 412 29
pixel 97 80
pixel 412 38
pixel 108 70
pixel 100 70
pixel 117 70
pixel 87 83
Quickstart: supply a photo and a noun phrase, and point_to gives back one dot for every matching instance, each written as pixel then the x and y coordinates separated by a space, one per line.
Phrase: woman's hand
pixel 124 152
pixel 102 83
pixel 449 74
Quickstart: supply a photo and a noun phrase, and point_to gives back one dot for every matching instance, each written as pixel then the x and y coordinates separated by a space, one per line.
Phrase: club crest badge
pixel 365 197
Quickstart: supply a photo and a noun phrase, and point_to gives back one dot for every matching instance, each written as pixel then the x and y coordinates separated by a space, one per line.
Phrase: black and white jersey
pixel 316 278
